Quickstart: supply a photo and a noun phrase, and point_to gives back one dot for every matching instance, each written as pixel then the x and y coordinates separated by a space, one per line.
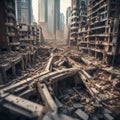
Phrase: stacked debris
pixel 67 87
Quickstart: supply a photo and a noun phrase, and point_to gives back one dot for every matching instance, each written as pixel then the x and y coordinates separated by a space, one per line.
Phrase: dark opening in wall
pixel 9 74
pixel 18 67
pixel 100 56
pixel 4 49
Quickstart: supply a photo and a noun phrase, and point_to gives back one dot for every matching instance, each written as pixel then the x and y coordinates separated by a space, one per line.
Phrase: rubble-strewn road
pixel 68 87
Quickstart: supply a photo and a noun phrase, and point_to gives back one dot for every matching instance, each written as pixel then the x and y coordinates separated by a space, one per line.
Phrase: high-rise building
pixel 62 19
pixel 82 22
pixel 42 10
pixel 8 28
pixel 68 13
pixel 78 19
pixel 87 3
pixel 53 15
pixel 24 11
pixel 101 38
pixel 74 21
pixel 49 15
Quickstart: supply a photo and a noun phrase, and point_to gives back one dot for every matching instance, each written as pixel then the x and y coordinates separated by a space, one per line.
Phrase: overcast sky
pixel 63 6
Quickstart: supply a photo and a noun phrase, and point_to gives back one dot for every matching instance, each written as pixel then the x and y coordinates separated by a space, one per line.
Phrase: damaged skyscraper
pixel 18 45
pixel 24 12
pixel 78 19
pixel 100 37
pixel 8 30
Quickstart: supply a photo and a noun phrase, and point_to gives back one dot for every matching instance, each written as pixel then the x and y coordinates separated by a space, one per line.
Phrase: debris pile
pixel 68 86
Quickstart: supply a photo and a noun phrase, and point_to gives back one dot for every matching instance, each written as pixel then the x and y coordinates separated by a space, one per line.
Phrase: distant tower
pixel 74 21
pixel 62 19
pixel 42 10
pixel 53 15
pixel 68 13
pixel 24 11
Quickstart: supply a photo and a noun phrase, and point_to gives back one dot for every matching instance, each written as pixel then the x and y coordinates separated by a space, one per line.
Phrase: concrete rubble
pixel 68 86
pixel 77 82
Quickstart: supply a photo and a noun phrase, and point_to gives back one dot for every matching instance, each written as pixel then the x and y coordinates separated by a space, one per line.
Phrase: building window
pixel 23 1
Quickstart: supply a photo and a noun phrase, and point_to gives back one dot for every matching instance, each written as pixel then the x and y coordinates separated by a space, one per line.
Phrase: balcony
pixel 73 33
pixel 74 22
pixel 12 34
pixel 74 27
pixel 97 50
pixel 82 31
pixel 84 48
pixel 11 15
pixel 72 38
pixel 14 43
pixel 9 24
pixel 74 16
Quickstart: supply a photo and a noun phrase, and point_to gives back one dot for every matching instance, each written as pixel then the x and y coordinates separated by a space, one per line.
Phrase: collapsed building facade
pixel 100 37
pixel 8 31
pixel 19 44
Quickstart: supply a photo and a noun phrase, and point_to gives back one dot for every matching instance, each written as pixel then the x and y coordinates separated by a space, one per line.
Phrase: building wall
pixel 74 3
pixel 42 12
pixel 3 39
pixel 62 19
pixel 8 33
pixel 24 11
pixel 30 35
pixel 68 13
pixel 100 37
pixel 53 15
pixel 57 12
pixel 74 21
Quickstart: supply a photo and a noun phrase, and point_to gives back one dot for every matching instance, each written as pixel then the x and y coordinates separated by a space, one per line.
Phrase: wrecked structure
pixel 8 32
pixel 30 34
pixel 67 88
pixel 100 36
pixel 41 83
pixel 19 44
pixel 78 19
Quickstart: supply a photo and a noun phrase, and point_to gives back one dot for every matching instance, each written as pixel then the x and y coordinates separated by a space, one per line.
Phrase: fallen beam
pixel 47 98
pixel 62 76
pixel 22 82
pixel 23 106
pixel 56 73
pixel 87 62
pixel 49 64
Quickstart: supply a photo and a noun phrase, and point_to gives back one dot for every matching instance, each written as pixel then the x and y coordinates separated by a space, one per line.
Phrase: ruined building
pixel 82 33
pixel 19 44
pixel 8 30
pixel 78 19
pixel 74 21
pixel 100 37
pixel 29 35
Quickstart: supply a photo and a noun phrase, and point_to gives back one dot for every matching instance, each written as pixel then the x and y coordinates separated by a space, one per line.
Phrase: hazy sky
pixel 63 6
